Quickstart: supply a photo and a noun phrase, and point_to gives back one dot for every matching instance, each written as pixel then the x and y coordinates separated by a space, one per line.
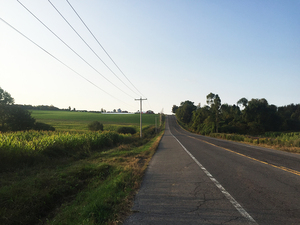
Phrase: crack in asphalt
pixel 233 219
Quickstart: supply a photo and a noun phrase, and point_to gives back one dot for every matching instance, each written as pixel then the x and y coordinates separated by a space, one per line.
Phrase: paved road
pixel 194 179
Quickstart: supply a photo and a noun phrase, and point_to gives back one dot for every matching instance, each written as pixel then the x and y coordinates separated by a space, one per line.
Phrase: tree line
pixel 53 108
pixel 16 118
pixel 41 107
pixel 256 116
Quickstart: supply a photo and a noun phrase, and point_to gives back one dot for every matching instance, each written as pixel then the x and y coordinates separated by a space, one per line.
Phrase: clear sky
pixel 171 51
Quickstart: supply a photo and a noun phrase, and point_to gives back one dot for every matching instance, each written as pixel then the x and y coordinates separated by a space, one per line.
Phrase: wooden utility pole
pixel 140 99
pixel 161 113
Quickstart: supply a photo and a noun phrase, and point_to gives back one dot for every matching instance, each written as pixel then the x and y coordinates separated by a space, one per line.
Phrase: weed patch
pixel 89 182
pixel 289 142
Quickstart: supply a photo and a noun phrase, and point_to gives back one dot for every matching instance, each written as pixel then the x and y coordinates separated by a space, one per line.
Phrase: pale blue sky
pixel 171 51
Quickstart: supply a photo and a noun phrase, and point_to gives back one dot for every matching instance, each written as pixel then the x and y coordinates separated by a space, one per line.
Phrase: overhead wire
pixel 89 46
pixel 72 49
pixel 60 60
pixel 102 46
pixel 104 49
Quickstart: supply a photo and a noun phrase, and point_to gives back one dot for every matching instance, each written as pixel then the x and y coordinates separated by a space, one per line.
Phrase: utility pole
pixel 161 113
pixel 140 99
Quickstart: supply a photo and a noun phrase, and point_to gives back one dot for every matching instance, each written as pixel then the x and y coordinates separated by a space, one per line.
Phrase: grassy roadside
pixel 288 142
pixel 109 201
pixel 93 188
pixel 273 143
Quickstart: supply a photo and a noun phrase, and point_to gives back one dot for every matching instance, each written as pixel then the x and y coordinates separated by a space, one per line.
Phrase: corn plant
pixel 19 147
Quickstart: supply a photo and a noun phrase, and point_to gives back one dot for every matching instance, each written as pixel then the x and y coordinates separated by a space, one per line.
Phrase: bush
pixel 14 118
pixel 149 132
pixel 126 130
pixel 43 126
pixel 95 126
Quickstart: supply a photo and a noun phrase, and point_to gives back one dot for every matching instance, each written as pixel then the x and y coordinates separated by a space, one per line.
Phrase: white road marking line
pixel 241 210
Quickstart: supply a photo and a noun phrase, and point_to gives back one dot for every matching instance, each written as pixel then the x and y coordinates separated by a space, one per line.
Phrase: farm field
pixel 71 175
pixel 66 120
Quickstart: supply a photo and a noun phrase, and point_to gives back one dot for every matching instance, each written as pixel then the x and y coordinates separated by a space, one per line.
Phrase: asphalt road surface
pixel 193 179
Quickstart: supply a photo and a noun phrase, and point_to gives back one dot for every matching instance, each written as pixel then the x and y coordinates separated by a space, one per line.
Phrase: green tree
pixel 5 98
pixel 261 117
pixel 19 119
pixel 230 119
pixel 199 119
pixel 12 117
pixel 243 102
pixel 184 112
pixel 174 108
pixel 290 117
pixel 214 101
pixel 5 101
pixel 256 117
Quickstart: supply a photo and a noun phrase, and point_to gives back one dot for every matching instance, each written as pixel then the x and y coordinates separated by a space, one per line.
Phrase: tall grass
pixel 70 177
pixel 277 139
pixel 19 148
pixel 291 139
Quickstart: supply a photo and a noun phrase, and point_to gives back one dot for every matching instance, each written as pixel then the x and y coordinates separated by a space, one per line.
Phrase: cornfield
pixel 27 147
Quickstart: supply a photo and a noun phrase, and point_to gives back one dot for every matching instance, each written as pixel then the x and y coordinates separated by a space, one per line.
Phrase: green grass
pixel 72 177
pixel 278 140
pixel 284 141
pixel 66 120
pixel 24 148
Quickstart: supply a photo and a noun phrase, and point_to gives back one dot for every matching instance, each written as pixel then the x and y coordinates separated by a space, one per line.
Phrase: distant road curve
pixel 265 182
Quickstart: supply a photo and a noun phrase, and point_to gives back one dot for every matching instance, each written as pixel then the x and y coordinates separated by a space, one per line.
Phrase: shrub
pixel 149 131
pixel 15 118
pixel 43 126
pixel 126 130
pixel 95 126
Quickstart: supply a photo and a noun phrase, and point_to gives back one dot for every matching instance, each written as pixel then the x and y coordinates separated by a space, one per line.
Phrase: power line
pixel 72 49
pixel 88 45
pixel 60 60
pixel 102 47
